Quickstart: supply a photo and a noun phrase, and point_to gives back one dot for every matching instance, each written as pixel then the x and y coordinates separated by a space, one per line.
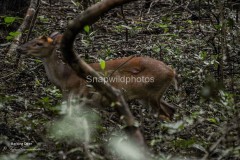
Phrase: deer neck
pixel 56 69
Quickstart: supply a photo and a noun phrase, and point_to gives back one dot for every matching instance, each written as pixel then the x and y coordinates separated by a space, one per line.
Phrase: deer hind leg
pixel 163 109
pixel 167 109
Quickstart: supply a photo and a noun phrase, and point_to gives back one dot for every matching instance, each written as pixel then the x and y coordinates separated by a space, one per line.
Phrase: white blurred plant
pixel 125 149
pixel 77 125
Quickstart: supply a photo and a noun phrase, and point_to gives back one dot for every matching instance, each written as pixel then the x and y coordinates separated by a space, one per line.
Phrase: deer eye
pixel 39 44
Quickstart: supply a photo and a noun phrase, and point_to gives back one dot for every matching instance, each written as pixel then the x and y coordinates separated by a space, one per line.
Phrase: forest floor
pixel 206 123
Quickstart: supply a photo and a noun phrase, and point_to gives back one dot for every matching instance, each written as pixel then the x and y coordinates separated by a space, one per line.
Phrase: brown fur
pixel 66 79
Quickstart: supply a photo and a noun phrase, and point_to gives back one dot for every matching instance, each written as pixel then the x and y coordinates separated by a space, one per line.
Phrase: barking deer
pixel 140 78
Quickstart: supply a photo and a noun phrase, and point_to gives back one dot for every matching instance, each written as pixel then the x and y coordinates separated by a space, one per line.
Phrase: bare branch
pixel 28 20
pixel 88 17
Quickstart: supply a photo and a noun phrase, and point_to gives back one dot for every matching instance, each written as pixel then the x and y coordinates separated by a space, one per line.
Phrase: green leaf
pixel 38 61
pixel 203 55
pixel 9 20
pixel 45 100
pixel 218 26
pixel 11 35
pixel 87 28
pixel 9 38
pixel 14 34
pixel 189 21
pixel 102 64
pixel 184 143
pixel 213 120
pixel 156 49
pixel 43 19
pixel 163 25
pixel 37 82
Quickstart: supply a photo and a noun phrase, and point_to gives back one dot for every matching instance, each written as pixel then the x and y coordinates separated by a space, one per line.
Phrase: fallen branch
pixel 28 20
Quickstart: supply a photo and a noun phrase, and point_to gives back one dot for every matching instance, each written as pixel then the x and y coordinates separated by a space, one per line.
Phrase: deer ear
pixel 54 34
pixel 57 37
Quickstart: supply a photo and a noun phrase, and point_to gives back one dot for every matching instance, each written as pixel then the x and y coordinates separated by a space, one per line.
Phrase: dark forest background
pixel 199 38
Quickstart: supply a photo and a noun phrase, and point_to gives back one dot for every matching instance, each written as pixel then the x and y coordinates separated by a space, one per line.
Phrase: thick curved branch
pixel 88 17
